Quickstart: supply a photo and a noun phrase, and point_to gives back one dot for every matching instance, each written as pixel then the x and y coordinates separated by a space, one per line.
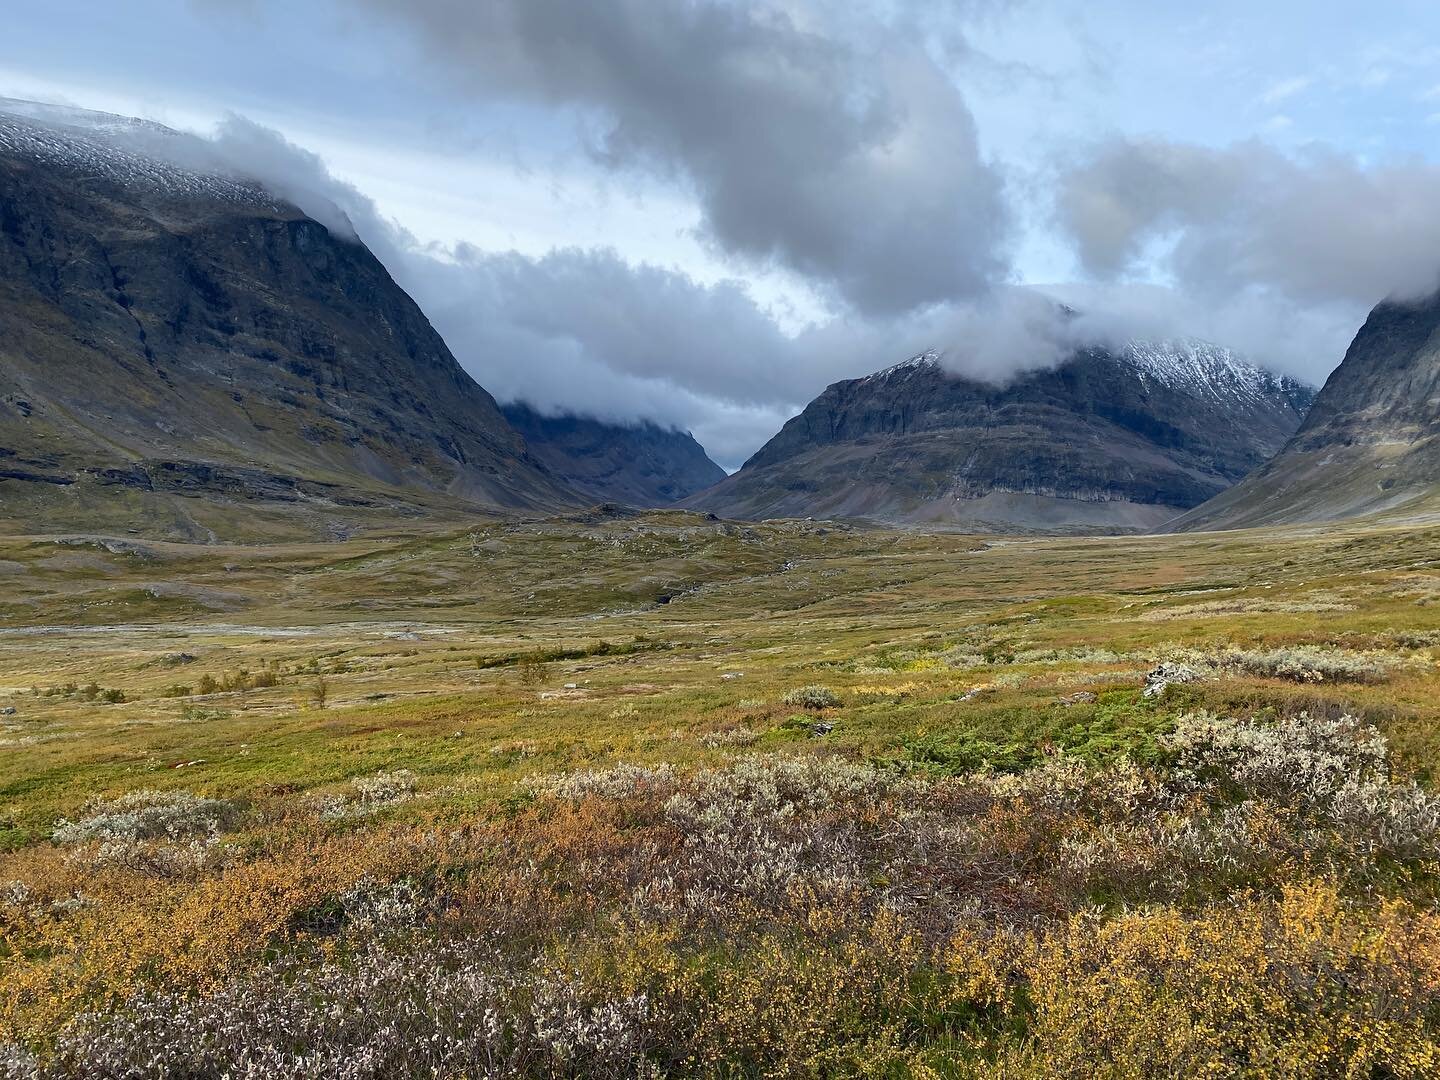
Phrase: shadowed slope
pixel 1371 444
pixel 641 464
pixel 182 353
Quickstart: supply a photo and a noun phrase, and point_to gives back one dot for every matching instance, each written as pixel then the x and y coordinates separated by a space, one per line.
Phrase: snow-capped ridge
pixel 1189 365
pixel 137 154
pixel 930 358
pixel 1204 368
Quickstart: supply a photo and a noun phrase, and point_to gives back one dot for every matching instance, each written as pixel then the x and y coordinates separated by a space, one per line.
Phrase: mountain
pixel 1106 441
pixel 182 353
pixel 1371 443
pixel 642 464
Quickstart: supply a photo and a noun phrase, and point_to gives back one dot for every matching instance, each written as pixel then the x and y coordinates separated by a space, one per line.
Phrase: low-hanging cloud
pixel 1319 227
pixel 839 152
pixel 1283 254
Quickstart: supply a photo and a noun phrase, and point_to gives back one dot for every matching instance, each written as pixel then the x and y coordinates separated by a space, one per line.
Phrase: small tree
pixel 532 669
pixel 320 692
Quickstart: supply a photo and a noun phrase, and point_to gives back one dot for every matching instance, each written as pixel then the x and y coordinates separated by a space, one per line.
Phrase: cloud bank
pixel 1278 254
pixel 838 150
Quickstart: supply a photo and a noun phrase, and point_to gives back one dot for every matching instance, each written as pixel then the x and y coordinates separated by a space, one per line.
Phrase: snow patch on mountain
pixel 136 154
pixel 1191 366
pixel 920 362
pixel 1202 368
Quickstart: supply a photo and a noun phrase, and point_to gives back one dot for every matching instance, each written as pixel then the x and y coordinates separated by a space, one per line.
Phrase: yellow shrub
pixel 1306 986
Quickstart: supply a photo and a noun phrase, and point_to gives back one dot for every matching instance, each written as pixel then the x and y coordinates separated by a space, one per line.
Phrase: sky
pixel 701 212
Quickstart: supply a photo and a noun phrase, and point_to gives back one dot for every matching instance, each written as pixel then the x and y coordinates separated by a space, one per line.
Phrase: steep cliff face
pixel 641 464
pixel 181 352
pixel 1371 443
pixel 1104 442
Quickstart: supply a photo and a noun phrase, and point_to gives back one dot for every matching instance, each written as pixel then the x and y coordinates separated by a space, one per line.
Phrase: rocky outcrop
pixel 1371 443
pixel 641 464
pixel 167 334
pixel 1104 442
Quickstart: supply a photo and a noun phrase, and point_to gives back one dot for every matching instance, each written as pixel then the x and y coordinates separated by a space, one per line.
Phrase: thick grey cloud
pixel 1277 255
pixel 1317 228
pixel 837 149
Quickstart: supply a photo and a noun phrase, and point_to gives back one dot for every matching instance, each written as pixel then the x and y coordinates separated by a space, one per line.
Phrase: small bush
pixel 532 669
pixel 811 697
pixel 146 815
pixel 369 795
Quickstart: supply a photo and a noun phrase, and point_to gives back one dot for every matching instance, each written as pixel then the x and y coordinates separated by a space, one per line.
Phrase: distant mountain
pixel 1371 443
pixel 642 464
pixel 182 353
pixel 1104 442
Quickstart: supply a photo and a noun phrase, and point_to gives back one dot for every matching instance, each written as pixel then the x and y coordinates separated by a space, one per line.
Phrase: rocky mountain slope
pixel 1107 441
pixel 1371 443
pixel 641 465
pixel 183 354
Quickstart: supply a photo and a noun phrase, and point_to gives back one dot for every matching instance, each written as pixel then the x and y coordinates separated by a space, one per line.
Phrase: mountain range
pixel 1106 441
pixel 183 353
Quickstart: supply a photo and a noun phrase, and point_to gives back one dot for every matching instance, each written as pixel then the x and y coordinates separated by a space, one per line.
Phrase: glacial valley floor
pixel 658 794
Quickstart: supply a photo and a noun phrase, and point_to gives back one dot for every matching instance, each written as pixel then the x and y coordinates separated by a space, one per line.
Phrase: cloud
pixel 1320 227
pixel 1299 339
pixel 295 174
pixel 1279 255
pixel 1285 89
pixel 832 147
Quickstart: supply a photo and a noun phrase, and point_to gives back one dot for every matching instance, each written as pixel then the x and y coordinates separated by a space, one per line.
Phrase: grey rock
pixel 1166 675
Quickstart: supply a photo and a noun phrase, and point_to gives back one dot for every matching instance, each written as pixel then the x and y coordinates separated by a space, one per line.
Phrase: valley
pixel 355 752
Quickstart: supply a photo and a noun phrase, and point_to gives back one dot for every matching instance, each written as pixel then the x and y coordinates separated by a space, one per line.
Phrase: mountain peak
pixel 1104 441
pixel 929 360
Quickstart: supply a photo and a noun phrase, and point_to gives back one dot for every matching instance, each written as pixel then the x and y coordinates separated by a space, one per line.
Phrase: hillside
pixel 641 464
pixel 1370 445
pixel 1105 442
pixel 182 354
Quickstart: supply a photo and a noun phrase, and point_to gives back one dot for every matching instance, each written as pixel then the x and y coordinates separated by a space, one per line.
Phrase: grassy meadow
pixel 661 795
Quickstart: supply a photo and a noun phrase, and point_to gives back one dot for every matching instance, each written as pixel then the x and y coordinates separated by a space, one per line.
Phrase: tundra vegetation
pixel 847 802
